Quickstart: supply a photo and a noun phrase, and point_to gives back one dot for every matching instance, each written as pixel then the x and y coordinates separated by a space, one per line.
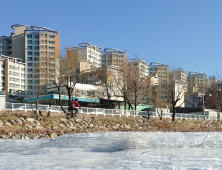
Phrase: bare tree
pixel 139 84
pixel 173 93
pixel 156 100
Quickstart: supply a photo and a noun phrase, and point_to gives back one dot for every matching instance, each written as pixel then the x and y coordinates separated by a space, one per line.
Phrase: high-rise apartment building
pixel 112 56
pixel 5 45
pixel 12 77
pixel 161 70
pixel 142 66
pixel 196 79
pixel 86 52
pixel 179 75
pixel 39 48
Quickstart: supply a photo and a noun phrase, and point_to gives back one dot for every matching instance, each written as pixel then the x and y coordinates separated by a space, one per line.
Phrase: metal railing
pixel 100 111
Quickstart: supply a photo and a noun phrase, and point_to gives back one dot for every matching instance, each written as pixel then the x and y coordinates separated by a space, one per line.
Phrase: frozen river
pixel 116 150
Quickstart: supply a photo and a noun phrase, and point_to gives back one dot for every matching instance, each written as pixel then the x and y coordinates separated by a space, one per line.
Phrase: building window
pixel 52 54
pixel 29 36
pixel 29 64
pixel 36 58
pixel 52 36
pixel 29 52
pixel 36 53
pixel 29 47
pixel 29 58
pixel 11 73
pixel 18 68
pixel 36 42
pixel 30 70
pixel 22 69
pixel 11 67
pixel 36 36
pixel 36 48
pixel 52 42
pixel 29 41
pixel 52 48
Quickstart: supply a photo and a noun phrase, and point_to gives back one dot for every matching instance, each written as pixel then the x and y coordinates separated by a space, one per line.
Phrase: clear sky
pixel 185 34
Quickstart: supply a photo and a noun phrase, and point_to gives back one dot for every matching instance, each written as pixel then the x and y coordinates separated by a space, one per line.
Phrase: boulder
pixel 127 126
pixel 26 137
pixel 18 136
pixel 91 125
pixel 53 135
pixel 30 119
pixel 19 121
pixel 12 122
pixel 8 124
pixel 37 123
pixel 78 120
pixel 69 123
pixel 22 119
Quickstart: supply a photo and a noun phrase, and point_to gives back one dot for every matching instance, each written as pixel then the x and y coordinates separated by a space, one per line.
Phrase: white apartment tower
pixel 85 52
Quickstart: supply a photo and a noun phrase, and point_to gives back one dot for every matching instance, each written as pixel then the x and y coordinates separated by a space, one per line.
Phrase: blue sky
pixel 185 34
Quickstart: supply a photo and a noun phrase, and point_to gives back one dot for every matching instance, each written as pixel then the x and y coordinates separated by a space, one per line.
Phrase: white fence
pixel 98 111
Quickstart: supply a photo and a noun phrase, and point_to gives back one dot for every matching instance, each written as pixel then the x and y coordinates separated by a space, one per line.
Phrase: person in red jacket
pixel 72 107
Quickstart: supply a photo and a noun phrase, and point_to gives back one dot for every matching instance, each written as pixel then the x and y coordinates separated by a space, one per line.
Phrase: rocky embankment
pixel 24 127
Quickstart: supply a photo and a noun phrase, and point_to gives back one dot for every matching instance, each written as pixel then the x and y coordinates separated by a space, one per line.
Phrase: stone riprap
pixel 46 127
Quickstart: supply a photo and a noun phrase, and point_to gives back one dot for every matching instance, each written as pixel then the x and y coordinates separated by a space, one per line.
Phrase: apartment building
pixel 161 71
pixel 142 66
pixel 196 79
pixel 12 77
pixel 85 52
pixel 112 56
pixel 5 45
pixel 212 80
pixel 39 48
pixel 179 75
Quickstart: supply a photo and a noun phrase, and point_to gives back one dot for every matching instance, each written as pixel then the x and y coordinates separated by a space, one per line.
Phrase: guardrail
pixel 99 111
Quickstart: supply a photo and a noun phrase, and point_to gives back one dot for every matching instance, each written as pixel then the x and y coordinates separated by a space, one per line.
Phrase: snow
pixel 116 150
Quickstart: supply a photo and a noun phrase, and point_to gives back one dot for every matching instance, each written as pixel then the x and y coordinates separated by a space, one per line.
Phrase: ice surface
pixel 116 150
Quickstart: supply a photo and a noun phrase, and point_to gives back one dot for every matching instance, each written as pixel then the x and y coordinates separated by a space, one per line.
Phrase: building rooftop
pixel 85 45
pixel 11 59
pixel 34 28
pixel 156 64
pixel 112 50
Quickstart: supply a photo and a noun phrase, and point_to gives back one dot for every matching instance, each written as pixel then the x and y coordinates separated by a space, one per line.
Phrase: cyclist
pixel 72 107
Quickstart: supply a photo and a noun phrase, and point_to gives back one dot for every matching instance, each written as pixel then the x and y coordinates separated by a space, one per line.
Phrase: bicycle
pixel 76 115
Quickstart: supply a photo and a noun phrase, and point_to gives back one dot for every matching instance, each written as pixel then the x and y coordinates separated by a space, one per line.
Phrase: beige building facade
pixel 161 71
pixel 115 57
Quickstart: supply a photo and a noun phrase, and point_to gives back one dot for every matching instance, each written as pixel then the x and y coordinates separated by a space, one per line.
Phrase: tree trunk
pixel 161 115
pixel 60 100
pixel 174 113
